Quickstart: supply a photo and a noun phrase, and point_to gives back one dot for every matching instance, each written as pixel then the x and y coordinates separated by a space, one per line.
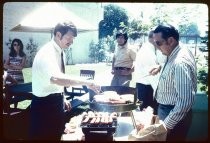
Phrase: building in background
pixel 15 12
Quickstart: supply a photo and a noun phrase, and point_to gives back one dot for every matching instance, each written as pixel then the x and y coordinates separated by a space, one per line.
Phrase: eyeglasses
pixel 15 44
pixel 159 43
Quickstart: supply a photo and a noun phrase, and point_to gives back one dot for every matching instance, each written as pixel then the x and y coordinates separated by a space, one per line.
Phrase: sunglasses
pixel 15 44
pixel 159 43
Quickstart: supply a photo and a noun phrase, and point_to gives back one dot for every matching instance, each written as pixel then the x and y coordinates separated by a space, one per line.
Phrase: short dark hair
pixel 167 31
pixel 122 33
pixel 64 27
pixel 150 34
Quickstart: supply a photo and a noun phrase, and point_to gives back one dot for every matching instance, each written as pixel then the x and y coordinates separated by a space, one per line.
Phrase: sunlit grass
pixel 70 69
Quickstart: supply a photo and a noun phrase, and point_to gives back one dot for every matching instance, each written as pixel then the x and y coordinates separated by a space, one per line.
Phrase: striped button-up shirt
pixel 177 85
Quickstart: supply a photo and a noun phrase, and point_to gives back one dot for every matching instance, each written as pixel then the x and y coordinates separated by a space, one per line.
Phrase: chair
pixel 16 93
pixel 78 91
pixel 90 74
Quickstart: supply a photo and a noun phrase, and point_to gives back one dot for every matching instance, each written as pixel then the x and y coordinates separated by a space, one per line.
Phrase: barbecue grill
pixel 99 131
pixel 105 132
pixel 105 107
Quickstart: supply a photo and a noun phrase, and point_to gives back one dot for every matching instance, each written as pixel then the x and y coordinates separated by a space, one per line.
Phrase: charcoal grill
pixel 100 131
pixel 88 128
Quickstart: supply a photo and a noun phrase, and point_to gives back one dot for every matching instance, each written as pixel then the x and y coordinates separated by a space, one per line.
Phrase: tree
pixel 101 50
pixel 203 74
pixel 113 16
pixel 110 41
pixel 31 49
pixel 97 51
pixel 135 29
pixel 203 79
pixel 188 29
pixel 161 15
pixel 93 51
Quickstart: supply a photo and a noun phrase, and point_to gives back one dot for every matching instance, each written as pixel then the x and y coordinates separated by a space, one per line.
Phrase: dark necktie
pixel 62 64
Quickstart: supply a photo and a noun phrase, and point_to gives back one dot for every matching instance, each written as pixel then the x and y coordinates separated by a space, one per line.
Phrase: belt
pixel 53 95
pixel 122 68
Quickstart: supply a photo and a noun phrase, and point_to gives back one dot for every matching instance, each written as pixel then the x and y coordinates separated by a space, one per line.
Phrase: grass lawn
pixel 73 69
pixel 99 68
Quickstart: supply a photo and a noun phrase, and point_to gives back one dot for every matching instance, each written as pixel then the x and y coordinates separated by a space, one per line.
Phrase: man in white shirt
pixel 48 81
pixel 149 61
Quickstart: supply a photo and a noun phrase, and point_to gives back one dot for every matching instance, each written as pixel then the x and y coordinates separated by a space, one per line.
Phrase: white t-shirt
pixel 47 63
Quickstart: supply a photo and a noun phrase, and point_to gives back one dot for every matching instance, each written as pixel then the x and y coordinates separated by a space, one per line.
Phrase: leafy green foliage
pixel 9 43
pixel 113 16
pixel 97 51
pixel 189 29
pixel 31 50
pixel 202 74
pixel 203 79
pixel 110 41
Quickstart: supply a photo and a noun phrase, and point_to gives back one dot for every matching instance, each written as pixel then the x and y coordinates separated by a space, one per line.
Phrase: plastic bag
pixel 154 132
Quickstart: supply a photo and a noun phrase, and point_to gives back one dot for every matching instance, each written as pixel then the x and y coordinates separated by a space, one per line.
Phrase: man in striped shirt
pixel 177 84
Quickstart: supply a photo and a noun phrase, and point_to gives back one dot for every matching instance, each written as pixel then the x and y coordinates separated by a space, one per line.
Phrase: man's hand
pixel 67 105
pixel 94 87
pixel 112 72
pixel 155 70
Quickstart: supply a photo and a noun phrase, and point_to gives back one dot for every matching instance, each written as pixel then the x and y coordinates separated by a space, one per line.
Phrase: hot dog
pixel 106 119
pixel 97 121
pixel 86 119
pixel 102 119
pixel 93 120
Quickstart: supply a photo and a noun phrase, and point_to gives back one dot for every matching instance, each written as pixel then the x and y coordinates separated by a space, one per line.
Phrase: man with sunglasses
pixel 177 84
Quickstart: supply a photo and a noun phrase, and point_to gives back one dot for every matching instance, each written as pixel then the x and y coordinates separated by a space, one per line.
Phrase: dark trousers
pixel 47 117
pixel 145 94
pixel 121 80
pixel 179 133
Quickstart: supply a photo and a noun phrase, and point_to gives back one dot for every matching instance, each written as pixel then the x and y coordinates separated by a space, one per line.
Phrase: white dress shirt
pixel 47 63
pixel 147 58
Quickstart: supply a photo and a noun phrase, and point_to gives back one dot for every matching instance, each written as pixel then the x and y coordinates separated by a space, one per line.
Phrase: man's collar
pixel 124 46
pixel 56 46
